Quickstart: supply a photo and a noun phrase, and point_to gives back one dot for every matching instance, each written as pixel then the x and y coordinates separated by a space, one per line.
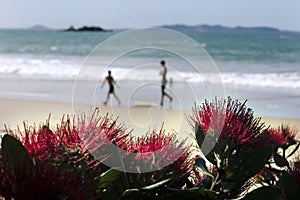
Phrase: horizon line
pixel 174 24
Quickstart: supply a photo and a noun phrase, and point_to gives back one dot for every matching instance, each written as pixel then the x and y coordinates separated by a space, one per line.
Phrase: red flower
pixel 209 115
pixel 230 119
pixel 283 135
pixel 161 150
pixel 48 181
pixel 98 133
pixel 42 143
pixel 157 148
pixel 93 139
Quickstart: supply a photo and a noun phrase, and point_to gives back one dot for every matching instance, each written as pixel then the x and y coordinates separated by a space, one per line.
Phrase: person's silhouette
pixel 111 82
pixel 163 73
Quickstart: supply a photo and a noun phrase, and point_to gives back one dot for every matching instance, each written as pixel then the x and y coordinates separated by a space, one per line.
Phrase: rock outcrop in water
pixel 88 28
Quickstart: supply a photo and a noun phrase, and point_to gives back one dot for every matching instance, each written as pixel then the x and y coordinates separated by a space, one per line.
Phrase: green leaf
pixel 170 193
pixel 133 194
pixel 157 185
pixel 200 162
pixel 108 178
pixel 206 182
pixel 148 192
pixel 184 195
pixel 197 193
pixel 16 157
pixel 129 160
pixel 116 159
pixel 212 141
pixel 228 148
pixel 290 186
pixel 247 165
pixel 200 135
pixel 206 194
pixel 280 161
pixel 266 193
pixel 211 157
pixel 229 186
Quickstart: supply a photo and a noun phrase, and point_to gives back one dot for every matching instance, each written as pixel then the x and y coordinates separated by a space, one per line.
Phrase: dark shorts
pixel 163 89
pixel 111 89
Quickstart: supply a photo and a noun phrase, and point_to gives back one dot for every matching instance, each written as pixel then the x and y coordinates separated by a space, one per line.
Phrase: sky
pixel 282 14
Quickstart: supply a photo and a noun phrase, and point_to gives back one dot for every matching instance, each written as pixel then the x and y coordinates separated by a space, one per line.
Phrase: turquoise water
pixel 263 67
pixel 279 47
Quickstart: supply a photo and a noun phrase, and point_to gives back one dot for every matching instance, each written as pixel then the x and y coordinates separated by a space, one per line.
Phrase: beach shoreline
pixel 142 119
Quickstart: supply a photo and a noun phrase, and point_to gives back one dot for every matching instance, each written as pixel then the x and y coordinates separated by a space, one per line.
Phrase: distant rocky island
pixel 182 28
pixel 87 28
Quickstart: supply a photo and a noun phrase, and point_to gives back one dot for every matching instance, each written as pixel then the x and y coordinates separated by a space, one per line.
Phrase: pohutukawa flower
pixel 159 151
pixel 282 136
pixel 98 133
pixel 42 142
pixel 159 148
pixel 230 119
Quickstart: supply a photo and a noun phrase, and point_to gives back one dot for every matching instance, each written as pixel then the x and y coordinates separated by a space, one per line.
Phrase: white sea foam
pixel 65 70
pixel 283 80
pixel 38 69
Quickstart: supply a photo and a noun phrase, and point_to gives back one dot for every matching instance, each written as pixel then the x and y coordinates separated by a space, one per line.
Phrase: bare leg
pixel 170 98
pixel 119 102
pixel 107 98
pixel 162 100
pixel 163 93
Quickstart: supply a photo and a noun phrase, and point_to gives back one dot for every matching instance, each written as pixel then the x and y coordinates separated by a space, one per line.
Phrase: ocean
pixel 262 67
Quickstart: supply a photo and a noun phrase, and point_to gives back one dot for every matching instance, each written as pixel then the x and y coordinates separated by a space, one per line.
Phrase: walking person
pixel 163 73
pixel 111 82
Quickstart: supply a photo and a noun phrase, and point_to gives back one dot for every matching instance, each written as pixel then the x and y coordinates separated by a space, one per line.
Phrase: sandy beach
pixel 141 119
